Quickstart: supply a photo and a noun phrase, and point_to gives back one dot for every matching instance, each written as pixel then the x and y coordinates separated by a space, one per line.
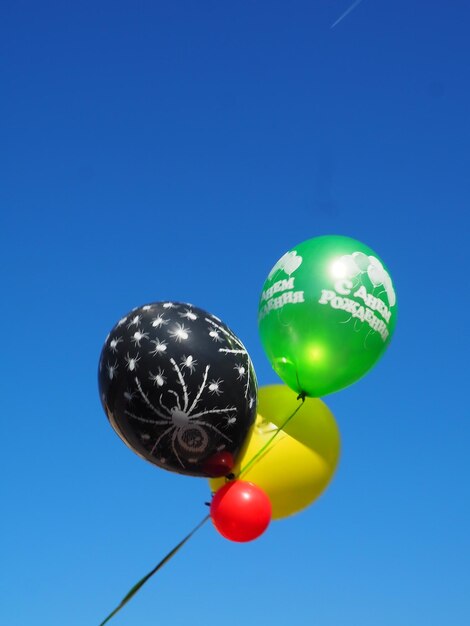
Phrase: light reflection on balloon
pixel 298 465
pixel 327 313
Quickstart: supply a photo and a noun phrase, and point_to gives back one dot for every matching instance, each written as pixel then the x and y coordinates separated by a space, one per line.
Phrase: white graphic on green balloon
pixel 379 276
pixel 351 265
pixel 288 263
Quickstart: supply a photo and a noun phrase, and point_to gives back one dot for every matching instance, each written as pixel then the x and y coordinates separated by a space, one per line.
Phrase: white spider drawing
pixel 158 379
pixel 241 370
pixel 122 321
pixel 189 362
pixel 129 395
pixel 112 369
pixel 138 336
pixel 160 347
pixel 159 321
pixel 147 307
pixel 169 305
pixel 240 349
pixel 179 332
pixel 214 387
pixel 113 344
pixel 185 426
pixel 188 314
pixel 215 336
pixel 132 362
pixel 135 321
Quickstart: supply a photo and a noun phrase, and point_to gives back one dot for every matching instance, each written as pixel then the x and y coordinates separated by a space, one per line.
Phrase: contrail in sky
pixel 347 12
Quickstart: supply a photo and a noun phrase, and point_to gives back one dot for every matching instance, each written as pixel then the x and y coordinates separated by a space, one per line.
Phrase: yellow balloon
pixel 300 462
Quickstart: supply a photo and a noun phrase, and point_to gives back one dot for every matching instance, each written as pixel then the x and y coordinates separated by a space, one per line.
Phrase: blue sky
pixel 155 151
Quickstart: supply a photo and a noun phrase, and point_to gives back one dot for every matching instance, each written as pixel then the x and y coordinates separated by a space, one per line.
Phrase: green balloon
pixel 327 312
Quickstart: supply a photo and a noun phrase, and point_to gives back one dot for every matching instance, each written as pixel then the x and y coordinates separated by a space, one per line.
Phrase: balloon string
pixel 260 452
pixel 143 580
pixel 131 593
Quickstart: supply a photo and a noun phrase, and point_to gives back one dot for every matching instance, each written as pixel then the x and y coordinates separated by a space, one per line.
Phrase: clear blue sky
pixel 174 150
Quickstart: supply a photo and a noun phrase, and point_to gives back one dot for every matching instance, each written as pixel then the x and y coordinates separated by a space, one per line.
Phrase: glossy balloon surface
pixel 240 511
pixel 179 388
pixel 327 313
pixel 299 464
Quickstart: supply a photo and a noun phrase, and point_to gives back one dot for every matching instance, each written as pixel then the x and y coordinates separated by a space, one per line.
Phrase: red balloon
pixel 240 511
pixel 219 464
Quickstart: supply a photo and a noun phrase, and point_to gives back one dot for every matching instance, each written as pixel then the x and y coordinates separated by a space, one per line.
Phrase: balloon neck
pixel 302 395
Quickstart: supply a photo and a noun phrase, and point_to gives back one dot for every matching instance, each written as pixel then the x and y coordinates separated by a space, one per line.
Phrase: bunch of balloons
pixel 180 390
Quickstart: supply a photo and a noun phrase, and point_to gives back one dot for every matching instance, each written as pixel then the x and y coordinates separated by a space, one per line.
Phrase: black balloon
pixel 179 388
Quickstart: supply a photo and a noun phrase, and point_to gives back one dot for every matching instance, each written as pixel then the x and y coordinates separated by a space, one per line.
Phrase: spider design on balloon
pixel 215 336
pixel 160 347
pixel 188 314
pixel 189 362
pixel 138 336
pixel 113 344
pixel 132 362
pixel 135 321
pixel 112 369
pixel 159 321
pixel 158 379
pixel 185 426
pixel 214 386
pixel 241 370
pixel 179 332
pixel 129 395
pixel 239 349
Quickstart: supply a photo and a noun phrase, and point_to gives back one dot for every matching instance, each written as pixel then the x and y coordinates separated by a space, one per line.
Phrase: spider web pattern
pixel 240 350
pixel 183 416
pixel 177 386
